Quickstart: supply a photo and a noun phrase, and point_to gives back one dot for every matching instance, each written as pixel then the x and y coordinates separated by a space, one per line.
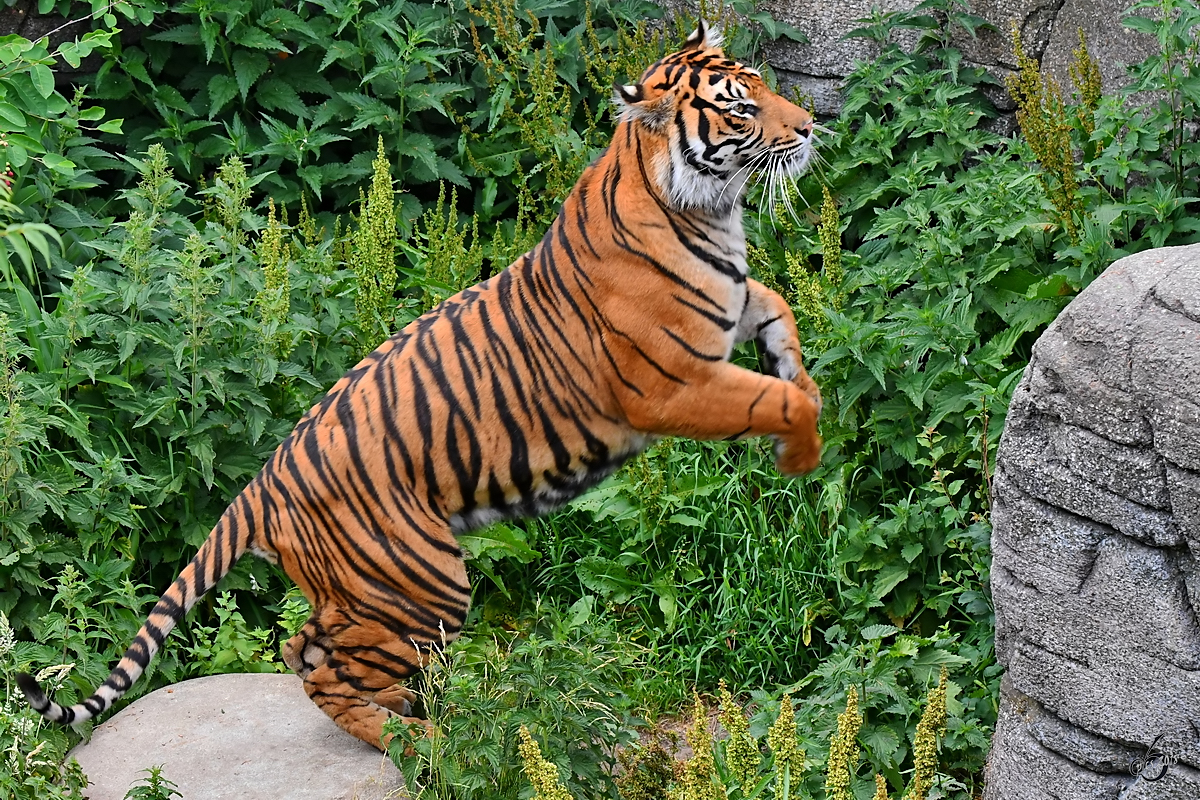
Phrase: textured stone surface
pixel 1034 18
pixel 817 67
pixel 1095 572
pixel 1049 30
pixel 1112 44
pixel 235 737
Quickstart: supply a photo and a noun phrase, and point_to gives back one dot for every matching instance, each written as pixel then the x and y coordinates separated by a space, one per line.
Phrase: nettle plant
pixel 142 395
pixel 301 91
pixel 560 673
pixel 507 97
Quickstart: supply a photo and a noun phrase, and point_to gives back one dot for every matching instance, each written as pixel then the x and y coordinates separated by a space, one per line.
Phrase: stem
pixel 84 18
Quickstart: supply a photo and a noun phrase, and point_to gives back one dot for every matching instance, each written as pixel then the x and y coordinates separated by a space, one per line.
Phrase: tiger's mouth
pixel 792 160
pixel 779 168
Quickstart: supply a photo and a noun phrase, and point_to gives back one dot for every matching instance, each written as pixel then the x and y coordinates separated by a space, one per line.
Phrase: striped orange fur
pixel 517 394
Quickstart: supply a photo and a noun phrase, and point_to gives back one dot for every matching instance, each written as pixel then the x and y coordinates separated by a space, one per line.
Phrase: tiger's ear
pixel 629 93
pixel 637 104
pixel 704 38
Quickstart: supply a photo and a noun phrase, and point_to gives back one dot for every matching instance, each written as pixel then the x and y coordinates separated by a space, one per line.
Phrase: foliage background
pixel 242 197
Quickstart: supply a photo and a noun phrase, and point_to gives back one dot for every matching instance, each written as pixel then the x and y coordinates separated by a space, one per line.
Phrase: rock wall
pixel 1049 29
pixel 1096 546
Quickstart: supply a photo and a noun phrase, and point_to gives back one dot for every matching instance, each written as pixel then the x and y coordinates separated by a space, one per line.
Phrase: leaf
pixel 373 112
pixel 936 657
pixel 419 147
pixel 247 68
pixel 872 632
pixel 92 361
pixel 424 96
pixel 448 170
pixel 275 95
pixel 669 608
pixel 774 28
pixel 281 19
pixel 171 98
pixel 889 578
pixel 606 577
pixel 209 31
pixel 580 611
pixel 133 63
pixel 882 742
pixel 337 51
pixel 43 79
pixel 70 53
pixel 201 447
pixel 221 89
pixel 13 116
pixel 1141 25
pixel 498 101
pixel 258 39
pixel 180 34
pixel 498 541
pixel 112 126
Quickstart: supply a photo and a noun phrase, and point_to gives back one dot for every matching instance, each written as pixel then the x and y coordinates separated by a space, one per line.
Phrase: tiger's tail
pixel 224 546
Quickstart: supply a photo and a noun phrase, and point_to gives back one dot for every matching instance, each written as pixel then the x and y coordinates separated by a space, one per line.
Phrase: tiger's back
pixel 517 394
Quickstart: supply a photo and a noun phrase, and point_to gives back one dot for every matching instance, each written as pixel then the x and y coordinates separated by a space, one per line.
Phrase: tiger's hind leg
pixel 397 698
pixel 357 685
pixel 310 648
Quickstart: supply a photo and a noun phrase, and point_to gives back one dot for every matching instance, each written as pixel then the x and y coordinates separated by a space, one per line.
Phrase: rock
pixel 994 48
pixel 816 68
pixel 1049 31
pixel 1112 44
pixel 227 737
pixel 1096 546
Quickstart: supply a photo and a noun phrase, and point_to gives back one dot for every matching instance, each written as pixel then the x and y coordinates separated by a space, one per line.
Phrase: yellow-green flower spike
pixel 933 722
pixel 843 750
pixel 698 779
pixel 741 752
pixel 541 773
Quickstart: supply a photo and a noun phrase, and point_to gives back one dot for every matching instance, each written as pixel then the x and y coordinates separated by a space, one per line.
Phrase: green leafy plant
pixel 153 787
pixel 231 645
pixel 168 312
pixel 139 397
pixel 32 754
pixel 562 681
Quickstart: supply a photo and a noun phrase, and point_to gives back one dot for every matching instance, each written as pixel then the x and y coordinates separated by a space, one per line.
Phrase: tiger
pixel 517 394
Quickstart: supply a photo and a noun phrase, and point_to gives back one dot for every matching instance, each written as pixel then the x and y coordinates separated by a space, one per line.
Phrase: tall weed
pixel 558 675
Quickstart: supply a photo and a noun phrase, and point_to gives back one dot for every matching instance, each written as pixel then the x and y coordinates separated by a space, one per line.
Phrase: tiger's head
pixel 709 123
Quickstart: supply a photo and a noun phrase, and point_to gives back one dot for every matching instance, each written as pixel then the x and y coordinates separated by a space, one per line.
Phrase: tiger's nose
pixel 804 129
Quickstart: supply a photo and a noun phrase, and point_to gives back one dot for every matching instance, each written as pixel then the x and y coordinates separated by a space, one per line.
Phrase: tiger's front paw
pixel 798 456
pixel 810 388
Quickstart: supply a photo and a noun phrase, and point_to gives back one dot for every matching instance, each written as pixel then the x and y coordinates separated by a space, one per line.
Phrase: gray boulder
pixel 1096 541
pixel 235 737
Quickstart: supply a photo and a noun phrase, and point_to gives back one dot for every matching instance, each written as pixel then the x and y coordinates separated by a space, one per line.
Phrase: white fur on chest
pixel 725 240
